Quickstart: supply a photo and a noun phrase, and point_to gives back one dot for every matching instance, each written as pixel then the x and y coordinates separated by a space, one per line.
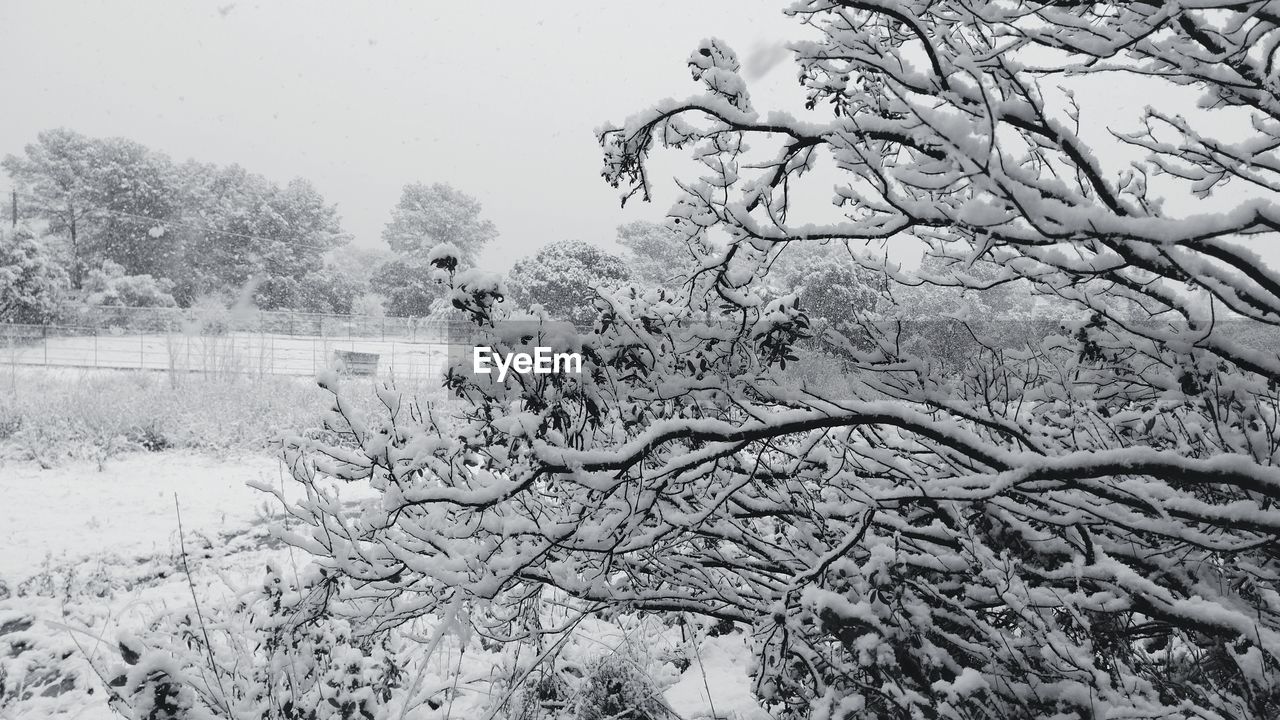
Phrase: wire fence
pixel 235 342
pixel 218 320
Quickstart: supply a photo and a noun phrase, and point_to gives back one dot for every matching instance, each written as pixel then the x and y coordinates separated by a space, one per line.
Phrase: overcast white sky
pixel 498 98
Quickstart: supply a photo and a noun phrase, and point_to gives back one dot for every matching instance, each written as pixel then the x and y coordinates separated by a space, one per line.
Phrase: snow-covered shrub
pixel 110 286
pixel 328 290
pixel 265 656
pixel 10 421
pixel 615 686
pixel 36 667
pixel 475 292
pixel 562 278
pixel 54 418
pixel 31 281
pixel 409 286
pixel 369 305
pixel 543 696
pixel 154 687
pixel 208 315
pixel 445 256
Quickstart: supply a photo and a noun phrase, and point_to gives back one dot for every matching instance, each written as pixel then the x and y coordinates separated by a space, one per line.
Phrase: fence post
pixel 44 341
pixel 95 347
pixel 142 350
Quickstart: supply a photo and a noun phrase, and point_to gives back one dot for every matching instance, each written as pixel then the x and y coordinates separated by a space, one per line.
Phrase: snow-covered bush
pixel 109 286
pixel 327 290
pixel 563 276
pixel 39 668
pixel 369 305
pixel 55 418
pixel 616 687
pixel 263 657
pixel 111 297
pixel 409 287
pixel 208 315
pixel 31 281
pixel 1082 526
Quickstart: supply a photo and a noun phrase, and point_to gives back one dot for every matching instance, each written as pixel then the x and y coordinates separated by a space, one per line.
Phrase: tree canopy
pixel 205 228
pixel 563 276
pixel 656 255
pixel 429 215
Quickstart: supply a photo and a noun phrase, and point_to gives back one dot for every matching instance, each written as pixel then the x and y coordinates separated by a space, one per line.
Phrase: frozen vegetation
pixel 1035 476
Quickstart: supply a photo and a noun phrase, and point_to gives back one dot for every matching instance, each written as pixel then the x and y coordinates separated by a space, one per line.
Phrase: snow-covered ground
pixel 717 683
pixel 73 511
pixel 89 554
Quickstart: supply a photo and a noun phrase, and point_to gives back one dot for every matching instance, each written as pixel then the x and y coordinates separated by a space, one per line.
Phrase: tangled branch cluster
pixel 1080 526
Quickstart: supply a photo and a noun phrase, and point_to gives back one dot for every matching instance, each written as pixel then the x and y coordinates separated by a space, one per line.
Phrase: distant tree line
pixel 127 224
pixel 200 226
pixel 109 221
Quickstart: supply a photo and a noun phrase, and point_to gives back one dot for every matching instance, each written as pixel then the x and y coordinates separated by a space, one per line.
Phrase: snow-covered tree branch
pixel 1082 523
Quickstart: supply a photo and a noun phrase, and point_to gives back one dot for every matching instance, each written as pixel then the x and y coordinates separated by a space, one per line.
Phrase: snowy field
pixel 75 512
pixel 253 353
pixel 90 556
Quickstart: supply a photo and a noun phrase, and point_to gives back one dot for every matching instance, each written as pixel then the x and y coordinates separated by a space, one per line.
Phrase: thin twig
pixel 703 669
pixel 204 629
